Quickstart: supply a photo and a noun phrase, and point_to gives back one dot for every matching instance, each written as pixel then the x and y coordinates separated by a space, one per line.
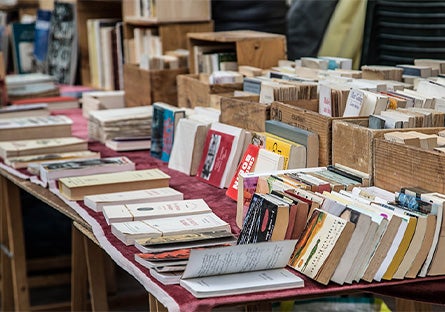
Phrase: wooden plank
pixel 398 165
pixel 155 305
pixel 164 85
pixel 244 113
pixel 137 86
pixel 7 296
pixel 49 279
pixel 96 275
pixel 79 277
pixel 174 35
pixel 59 262
pixel 16 245
pixel 262 53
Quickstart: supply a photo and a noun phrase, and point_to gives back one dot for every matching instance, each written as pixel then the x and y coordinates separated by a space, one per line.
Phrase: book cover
pixel 190 137
pixel 157 131
pixel 143 211
pixel 317 242
pixel 41 36
pixel 75 188
pixel 172 115
pixel 22 38
pixel 247 164
pixel 63 43
pixel 214 158
pixel 98 201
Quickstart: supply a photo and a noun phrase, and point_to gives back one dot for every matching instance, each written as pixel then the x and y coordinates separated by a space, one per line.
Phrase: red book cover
pixel 214 157
pixel 247 164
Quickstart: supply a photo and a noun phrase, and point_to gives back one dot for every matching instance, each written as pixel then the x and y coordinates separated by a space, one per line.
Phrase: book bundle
pixel 345 234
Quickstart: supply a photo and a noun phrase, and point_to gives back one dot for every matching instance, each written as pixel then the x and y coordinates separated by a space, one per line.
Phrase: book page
pixel 239 258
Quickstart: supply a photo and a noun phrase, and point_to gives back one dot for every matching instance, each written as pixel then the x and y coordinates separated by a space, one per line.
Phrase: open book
pixel 240 269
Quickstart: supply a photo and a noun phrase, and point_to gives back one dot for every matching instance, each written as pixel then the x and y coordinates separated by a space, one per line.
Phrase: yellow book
pixel 401 251
pixel 294 153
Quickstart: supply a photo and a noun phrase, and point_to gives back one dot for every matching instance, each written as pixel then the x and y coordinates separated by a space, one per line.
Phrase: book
pixel 53 102
pixel 101 100
pixel 295 155
pixel 221 154
pixel 75 188
pixel 321 246
pixel 188 145
pixel 63 43
pixel 41 37
pixel 23 128
pixel 206 278
pixel 98 201
pixel 248 163
pixel 144 211
pixel 129 231
pixel 185 241
pixel 41 146
pixel 269 160
pixel 124 144
pixel 20 162
pixel 267 218
pixel 298 135
pixel 70 168
pixel 167 278
pixel 20 111
pixel 142 260
pixel 157 131
pixel 22 40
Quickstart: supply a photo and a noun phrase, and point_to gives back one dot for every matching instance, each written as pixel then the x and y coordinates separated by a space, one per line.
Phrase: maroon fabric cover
pixel 429 289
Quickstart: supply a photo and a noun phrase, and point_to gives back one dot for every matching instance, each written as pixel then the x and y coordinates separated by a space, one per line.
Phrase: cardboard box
pixel 398 165
pixel 144 87
pixel 245 112
pixel 353 143
pixel 304 114
pixel 195 90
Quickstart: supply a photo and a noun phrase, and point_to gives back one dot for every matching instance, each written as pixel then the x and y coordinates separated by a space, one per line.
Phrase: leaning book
pixel 76 188
pixel 71 168
pixel 240 269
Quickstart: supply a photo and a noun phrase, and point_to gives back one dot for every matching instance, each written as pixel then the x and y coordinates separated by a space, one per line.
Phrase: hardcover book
pixel 144 211
pixel 22 38
pixel 98 201
pixel 76 188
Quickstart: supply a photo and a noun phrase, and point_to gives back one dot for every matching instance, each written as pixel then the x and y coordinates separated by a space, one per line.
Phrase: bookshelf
pixel 253 48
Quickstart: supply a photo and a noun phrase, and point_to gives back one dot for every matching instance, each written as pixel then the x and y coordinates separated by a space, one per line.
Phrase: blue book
pixel 22 38
pixel 171 119
pixel 157 131
pixel 41 36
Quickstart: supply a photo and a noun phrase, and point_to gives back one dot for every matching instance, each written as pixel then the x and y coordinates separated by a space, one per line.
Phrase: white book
pixel 268 161
pixel 99 201
pixel 240 269
pixel 127 232
pixel 70 168
pixel 354 103
pixel 188 144
pixel 144 211
pixel 235 153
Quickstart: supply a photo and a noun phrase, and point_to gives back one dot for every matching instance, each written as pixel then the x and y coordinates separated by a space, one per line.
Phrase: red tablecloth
pixel 422 289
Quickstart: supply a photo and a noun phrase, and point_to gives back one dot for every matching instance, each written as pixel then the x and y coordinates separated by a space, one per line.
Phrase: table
pixel 173 297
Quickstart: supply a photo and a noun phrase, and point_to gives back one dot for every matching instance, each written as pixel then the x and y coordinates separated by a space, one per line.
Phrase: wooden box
pixel 253 48
pixel 305 115
pixel 398 165
pixel 167 11
pixel 353 143
pixel 173 35
pixel 195 90
pixel 245 112
pixel 144 87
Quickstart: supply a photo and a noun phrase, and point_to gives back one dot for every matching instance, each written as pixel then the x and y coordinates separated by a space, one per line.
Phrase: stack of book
pixel 107 124
pixel 31 85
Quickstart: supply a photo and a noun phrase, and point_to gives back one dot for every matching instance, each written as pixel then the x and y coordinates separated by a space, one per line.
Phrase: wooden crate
pixel 144 87
pixel 169 11
pixel 245 112
pixel 253 48
pixel 173 35
pixel 398 165
pixel 195 90
pixel 353 143
pixel 309 119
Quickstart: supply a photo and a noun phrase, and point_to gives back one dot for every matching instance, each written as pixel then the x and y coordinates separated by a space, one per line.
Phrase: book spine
pixel 157 131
